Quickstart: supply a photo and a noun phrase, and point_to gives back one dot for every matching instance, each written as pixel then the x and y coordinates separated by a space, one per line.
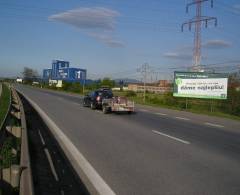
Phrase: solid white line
pixel 162 114
pixel 169 136
pixel 214 125
pixel 182 118
pixel 51 164
pixel 41 137
pixel 82 166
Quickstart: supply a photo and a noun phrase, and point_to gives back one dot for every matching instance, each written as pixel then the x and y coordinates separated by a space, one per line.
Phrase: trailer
pixel 117 104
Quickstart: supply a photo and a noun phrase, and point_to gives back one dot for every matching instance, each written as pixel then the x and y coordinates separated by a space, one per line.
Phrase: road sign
pixel 200 85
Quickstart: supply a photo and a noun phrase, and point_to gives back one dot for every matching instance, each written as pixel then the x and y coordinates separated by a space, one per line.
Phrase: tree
pixel 107 82
pixel 29 74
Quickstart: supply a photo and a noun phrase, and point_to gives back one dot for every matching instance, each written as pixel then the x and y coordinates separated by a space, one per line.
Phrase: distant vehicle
pixel 103 99
pixel 19 80
pixel 35 83
pixel 94 99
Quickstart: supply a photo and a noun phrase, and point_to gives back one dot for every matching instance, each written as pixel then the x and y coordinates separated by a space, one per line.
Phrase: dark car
pixel 94 98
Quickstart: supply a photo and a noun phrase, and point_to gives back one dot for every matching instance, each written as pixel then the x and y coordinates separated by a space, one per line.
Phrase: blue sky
pixel 112 37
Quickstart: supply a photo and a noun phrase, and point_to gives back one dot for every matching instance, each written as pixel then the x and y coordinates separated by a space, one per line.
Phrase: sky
pixel 114 37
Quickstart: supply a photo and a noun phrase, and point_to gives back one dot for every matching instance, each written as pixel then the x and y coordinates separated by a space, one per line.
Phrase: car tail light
pixel 98 98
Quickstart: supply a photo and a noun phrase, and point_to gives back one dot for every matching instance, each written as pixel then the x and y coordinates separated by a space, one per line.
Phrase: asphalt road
pixel 155 151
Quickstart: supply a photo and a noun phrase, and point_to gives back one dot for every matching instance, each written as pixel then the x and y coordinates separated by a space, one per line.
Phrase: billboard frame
pixel 180 75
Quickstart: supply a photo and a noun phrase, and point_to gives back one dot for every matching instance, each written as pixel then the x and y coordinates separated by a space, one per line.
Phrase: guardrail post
pixel 15 175
pixel 17 115
pixel 15 131
pixel 6 175
pixel 16 106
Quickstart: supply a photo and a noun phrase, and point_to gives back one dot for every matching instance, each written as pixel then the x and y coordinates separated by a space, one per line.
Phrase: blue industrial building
pixel 61 71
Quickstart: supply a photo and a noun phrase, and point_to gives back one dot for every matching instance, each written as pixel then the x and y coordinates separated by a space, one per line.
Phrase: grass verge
pixel 4 102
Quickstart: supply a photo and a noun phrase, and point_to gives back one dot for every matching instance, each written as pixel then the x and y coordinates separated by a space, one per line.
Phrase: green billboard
pixel 200 85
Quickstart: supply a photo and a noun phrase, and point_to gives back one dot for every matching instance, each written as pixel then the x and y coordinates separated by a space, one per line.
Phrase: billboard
pixel 200 85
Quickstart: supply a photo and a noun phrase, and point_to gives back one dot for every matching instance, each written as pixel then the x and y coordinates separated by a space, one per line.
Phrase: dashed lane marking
pixel 41 137
pixel 214 125
pixel 182 118
pixel 77 104
pixel 51 164
pixel 162 114
pixel 143 110
pixel 169 136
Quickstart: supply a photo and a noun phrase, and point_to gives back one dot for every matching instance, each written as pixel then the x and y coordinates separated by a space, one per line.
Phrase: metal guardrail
pixel 26 182
pixel 19 176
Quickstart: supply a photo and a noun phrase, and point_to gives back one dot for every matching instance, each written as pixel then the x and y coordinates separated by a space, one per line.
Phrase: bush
pixel 131 94
pixel 4 102
pixel 6 156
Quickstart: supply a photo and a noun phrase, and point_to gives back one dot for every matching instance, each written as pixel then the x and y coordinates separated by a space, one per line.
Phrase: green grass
pixel 195 105
pixel 4 102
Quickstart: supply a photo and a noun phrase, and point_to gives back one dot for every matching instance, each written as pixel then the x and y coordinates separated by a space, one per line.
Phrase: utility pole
pixel 84 86
pixel 198 20
pixel 144 70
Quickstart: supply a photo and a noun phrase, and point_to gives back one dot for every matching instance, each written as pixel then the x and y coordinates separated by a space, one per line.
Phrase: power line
pixel 197 21
pixel 144 70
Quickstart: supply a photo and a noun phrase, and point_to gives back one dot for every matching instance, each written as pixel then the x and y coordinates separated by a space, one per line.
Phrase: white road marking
pixel 214 125
pixel 79 162
pixel 143 110
pixel 182 118
pixel 51 164
pixel 169 136
pixel 75 103
pixel 98 111
pixel 162 114
pixel 41 137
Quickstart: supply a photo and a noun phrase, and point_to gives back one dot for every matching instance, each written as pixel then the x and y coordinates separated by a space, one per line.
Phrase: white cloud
pixel 88 18
pixel 216 44
pixel 97 22
pixel 178 55
pixel 237 7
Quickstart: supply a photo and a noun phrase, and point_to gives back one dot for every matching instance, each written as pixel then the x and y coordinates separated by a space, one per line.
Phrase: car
pixel 94 98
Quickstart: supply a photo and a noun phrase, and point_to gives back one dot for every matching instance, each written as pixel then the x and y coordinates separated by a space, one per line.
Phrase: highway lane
pixel 141 154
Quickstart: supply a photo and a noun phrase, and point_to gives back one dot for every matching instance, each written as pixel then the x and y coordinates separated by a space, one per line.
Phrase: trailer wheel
pixel 93 107
pixel 104 109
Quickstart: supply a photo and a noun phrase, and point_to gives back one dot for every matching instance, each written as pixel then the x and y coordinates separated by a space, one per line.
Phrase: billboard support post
pixel 211 105
pixel 186 103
